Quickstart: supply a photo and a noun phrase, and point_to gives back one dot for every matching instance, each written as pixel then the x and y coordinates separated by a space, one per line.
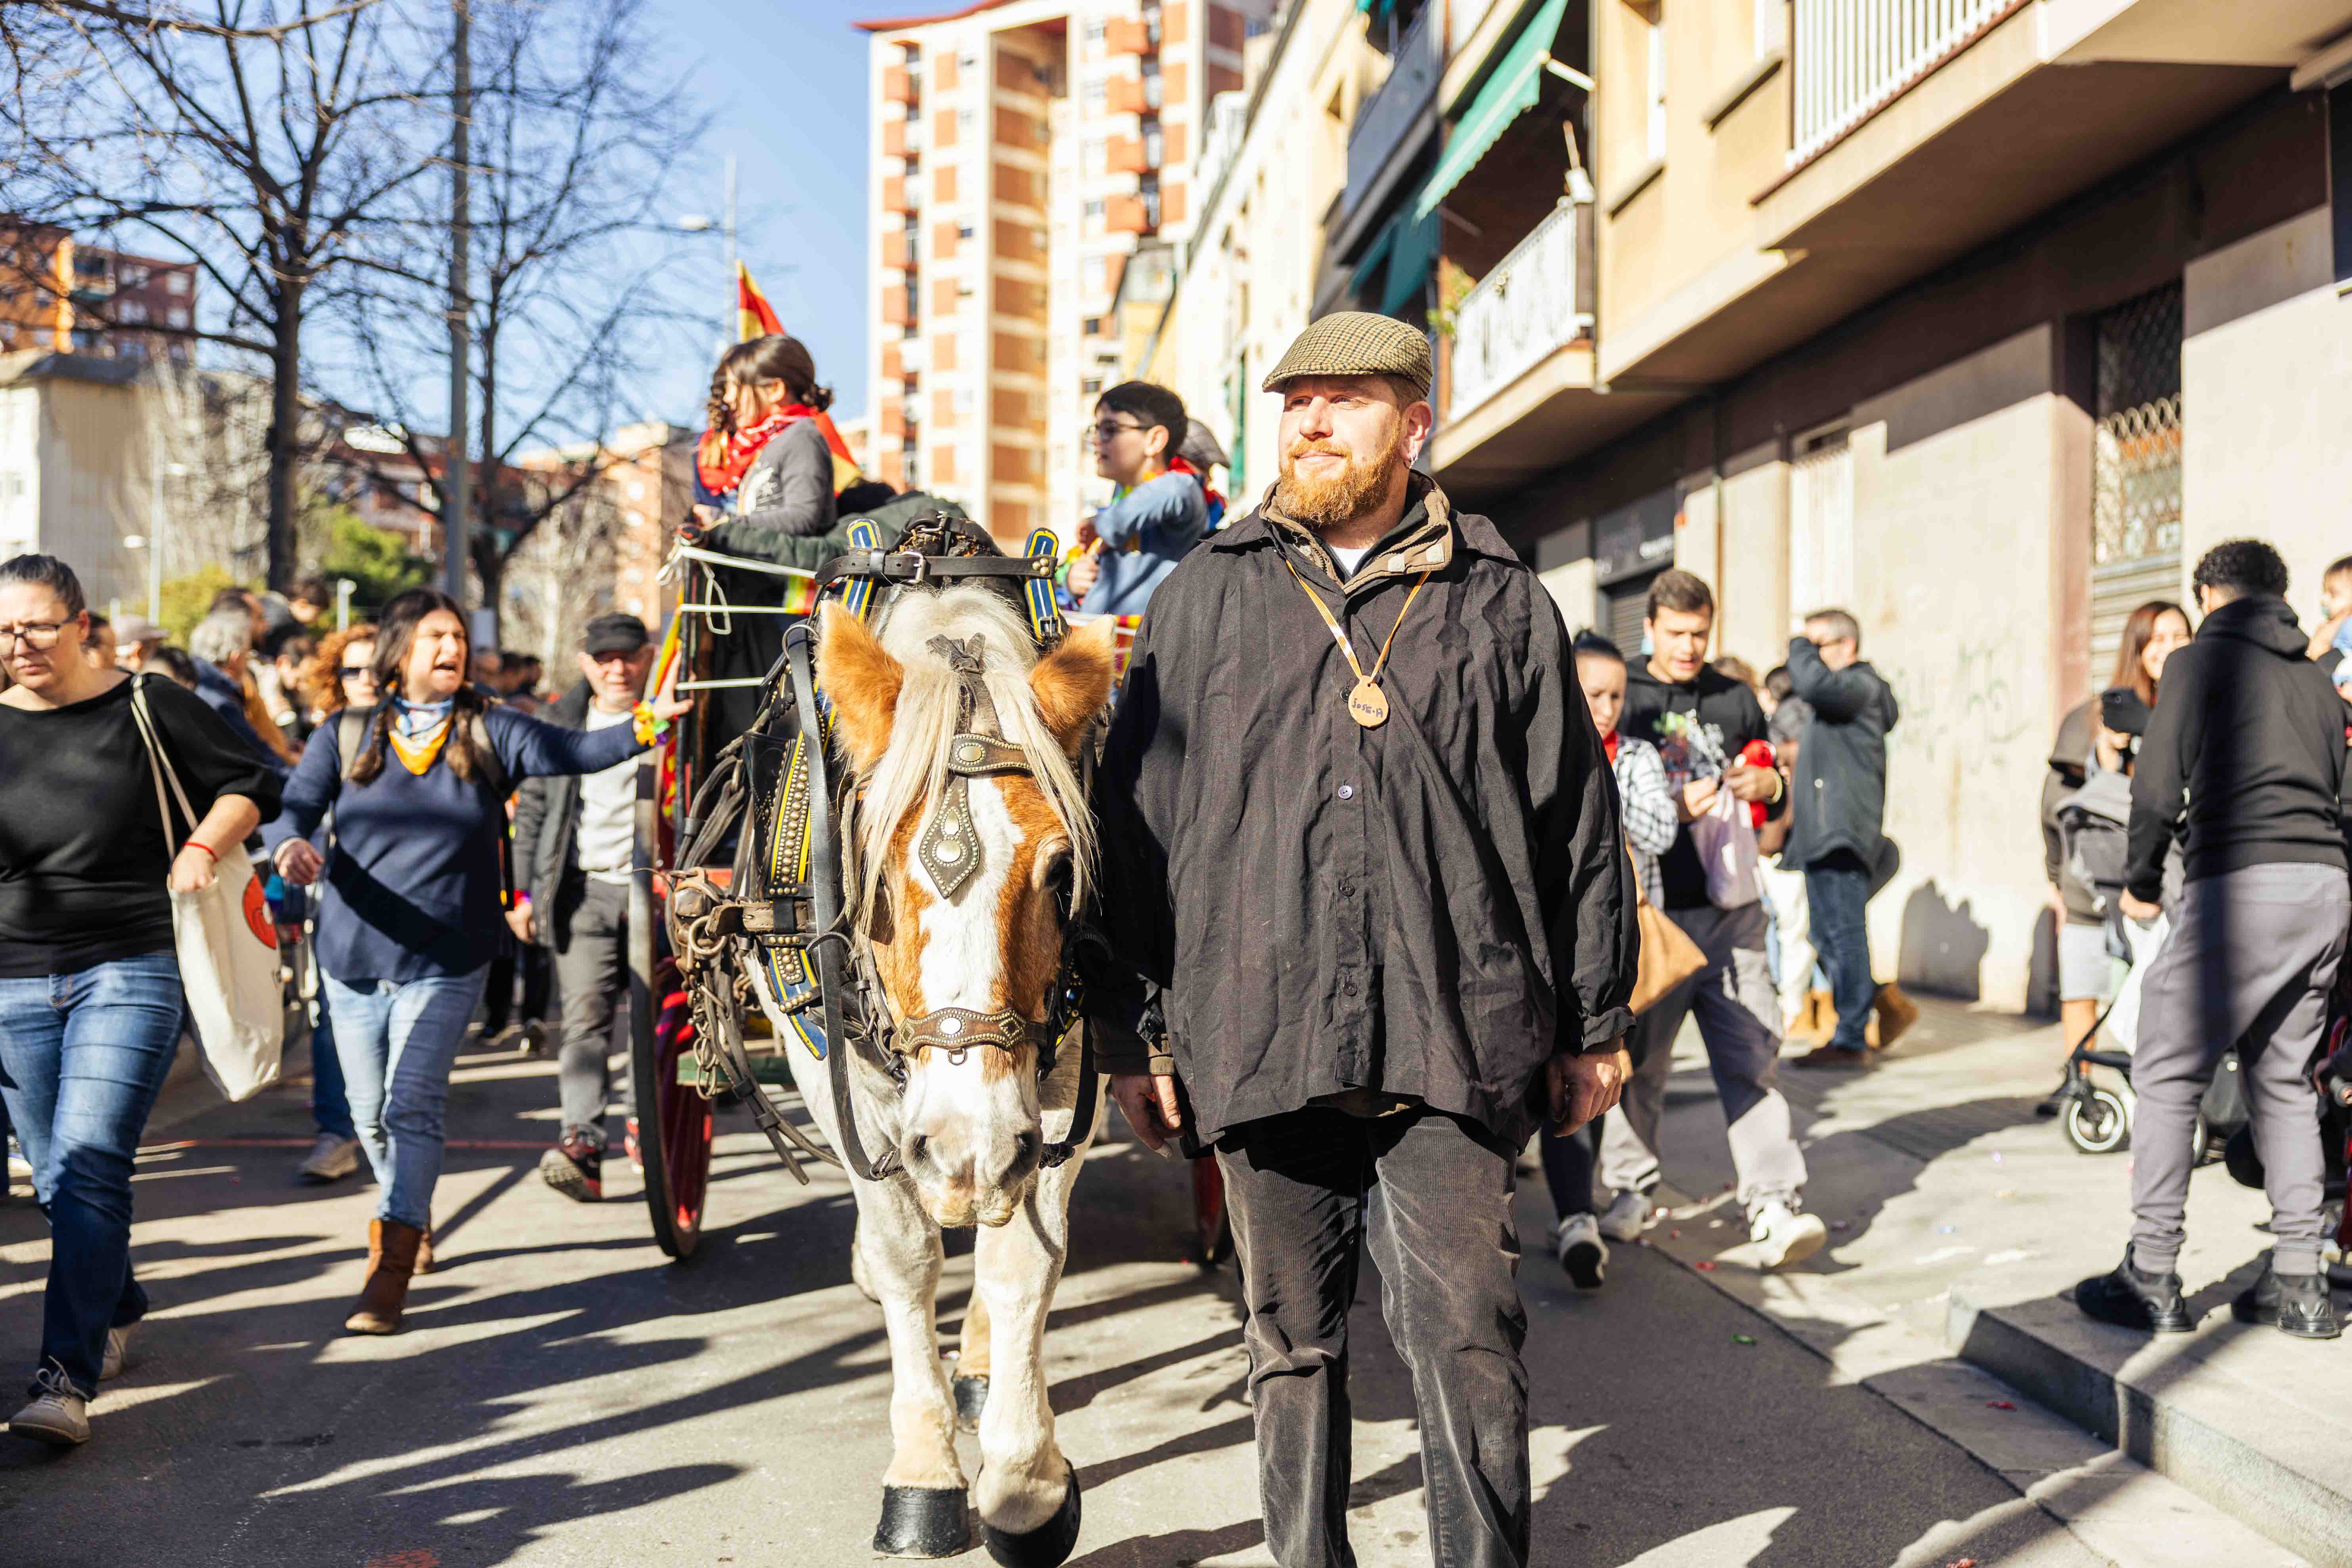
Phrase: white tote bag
pixel 228 948
pixel 1725 837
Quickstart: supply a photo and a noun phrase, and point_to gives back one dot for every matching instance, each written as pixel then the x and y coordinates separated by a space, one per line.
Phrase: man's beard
pixel 1354 492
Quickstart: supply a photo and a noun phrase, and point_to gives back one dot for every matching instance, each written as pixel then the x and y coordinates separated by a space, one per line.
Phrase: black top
pixel 1724 715
pixel 82 854
pixel 2244 754
pixel 1428 910
pixel 1839 793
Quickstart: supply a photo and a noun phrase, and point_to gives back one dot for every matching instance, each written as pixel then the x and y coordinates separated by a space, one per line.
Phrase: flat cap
pixel 1356 343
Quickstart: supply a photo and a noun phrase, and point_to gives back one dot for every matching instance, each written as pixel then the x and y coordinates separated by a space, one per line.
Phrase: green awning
pixel 1410 262
pixel 1509 91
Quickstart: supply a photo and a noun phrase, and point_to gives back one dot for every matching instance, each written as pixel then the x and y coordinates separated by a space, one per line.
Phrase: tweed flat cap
pixel 1356 343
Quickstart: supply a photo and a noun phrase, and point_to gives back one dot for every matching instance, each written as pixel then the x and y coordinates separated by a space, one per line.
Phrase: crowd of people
pixel 1505 865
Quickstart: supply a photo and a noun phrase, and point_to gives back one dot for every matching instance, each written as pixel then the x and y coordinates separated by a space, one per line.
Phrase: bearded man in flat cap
pixel 1360 831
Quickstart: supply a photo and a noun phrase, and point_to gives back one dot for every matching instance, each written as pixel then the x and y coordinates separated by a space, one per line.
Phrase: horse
pixel 968 847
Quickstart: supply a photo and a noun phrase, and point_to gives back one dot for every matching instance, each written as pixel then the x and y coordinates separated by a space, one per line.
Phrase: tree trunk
pixel 284 436
pixel 491 554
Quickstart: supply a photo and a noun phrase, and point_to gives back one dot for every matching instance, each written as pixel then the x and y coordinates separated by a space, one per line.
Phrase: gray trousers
pixel 1739 1018
pixel 591 971
pixel 2249 962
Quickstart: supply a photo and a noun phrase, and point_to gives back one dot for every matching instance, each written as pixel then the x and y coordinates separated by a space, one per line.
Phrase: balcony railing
pixel 1522 311
pixel 1853 57
pixel 1383 119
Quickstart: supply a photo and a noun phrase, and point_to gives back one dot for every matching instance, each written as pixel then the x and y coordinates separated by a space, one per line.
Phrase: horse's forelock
pixel 914 768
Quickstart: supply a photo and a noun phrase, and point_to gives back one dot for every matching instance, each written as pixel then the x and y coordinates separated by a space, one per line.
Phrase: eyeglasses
pixel 32 634
pixel 1109 430
pixel 356 671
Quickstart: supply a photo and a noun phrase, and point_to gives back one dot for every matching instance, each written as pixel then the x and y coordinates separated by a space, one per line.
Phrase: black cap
pixel 615 633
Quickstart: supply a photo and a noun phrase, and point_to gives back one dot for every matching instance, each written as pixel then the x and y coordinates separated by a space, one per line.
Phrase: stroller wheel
pixel 2095 1122
pixel 2200 1143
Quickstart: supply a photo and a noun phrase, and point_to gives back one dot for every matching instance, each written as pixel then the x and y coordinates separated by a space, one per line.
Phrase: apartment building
pixel 1023 151
pixel 1982 319
pixel 59 293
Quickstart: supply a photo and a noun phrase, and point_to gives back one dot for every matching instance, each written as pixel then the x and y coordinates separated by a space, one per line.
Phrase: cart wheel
pixel 1213 1233
pixel 673 1131
pixel 2095 1122
pixel 2200 1143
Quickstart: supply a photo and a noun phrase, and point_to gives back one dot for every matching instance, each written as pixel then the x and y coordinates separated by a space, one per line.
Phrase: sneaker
pixel 1836 1059
pixel 2297 1304
pixel 118 1354
pixel 2131 1299
pixel 56 1416
pixel 1627 1217
pixel 533 1041
pixel 630 1147
pixel 1785 1235
pixel 330 1159
pixel 1583 1255
pixel 575 1167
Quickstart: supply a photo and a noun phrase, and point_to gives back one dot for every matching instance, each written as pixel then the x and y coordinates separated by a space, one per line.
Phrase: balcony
pixel 894 138
pixel 1126 95
pixel 899 85
pixel 1527 307
pixel 1855 56
pixel 893 195
pixel 897 251
pixel 1125 215
pixel 1397 114
pixel 1126 36
pixel 1124 155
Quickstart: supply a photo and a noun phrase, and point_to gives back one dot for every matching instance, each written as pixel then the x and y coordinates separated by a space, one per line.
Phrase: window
pixel 964 231
pixel 1097 30
pixel 1655 131
pixel 965 120
pixel 1151 143
pixel 966 399
pixel 967 63
pixel 1096 96
pixel 1094 209
pixel 1091 385
pixel 179 317
pixel 130 312
pixel 175 283
pixel 1093 329
pixel 131 277
pixel 1095 160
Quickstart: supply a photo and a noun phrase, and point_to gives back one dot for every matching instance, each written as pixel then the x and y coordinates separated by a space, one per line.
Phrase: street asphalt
pixel 563 1395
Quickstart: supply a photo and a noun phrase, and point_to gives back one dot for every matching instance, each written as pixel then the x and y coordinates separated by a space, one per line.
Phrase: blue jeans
pixel 397 1042
pixel 330 1107
pixel 1838 889
pixel 82 1057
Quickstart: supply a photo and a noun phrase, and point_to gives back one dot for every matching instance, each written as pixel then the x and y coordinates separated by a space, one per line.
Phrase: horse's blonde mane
pixel 914 767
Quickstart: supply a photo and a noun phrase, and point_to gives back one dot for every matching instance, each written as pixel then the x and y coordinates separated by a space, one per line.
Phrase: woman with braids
pixel 769 455
pixel 412 912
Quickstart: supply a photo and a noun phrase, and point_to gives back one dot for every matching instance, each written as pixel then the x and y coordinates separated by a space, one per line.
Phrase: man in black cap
pixel 574 843
pixel 1358 827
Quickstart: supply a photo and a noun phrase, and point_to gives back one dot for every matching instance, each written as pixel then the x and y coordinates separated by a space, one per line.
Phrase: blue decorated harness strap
pixel 1044 614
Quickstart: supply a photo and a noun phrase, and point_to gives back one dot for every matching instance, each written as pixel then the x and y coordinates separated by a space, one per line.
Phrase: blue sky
pixel 785 83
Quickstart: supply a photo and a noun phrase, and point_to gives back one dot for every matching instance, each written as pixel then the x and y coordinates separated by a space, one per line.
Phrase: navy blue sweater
pixel 412 883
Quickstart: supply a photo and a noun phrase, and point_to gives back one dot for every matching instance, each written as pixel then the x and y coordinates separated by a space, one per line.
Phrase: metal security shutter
pixel 2136 468
pixel 1624 607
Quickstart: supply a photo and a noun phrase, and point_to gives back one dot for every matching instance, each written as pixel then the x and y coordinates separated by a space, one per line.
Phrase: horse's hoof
pixel 922 1521
pixel 1047 1546
pixel 971 1398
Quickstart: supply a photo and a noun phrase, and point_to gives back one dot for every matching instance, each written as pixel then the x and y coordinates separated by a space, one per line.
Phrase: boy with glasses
pixel 1159 513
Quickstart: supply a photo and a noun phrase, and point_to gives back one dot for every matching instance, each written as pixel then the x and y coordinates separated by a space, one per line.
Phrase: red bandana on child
pixel 721 461
pixel 1608 745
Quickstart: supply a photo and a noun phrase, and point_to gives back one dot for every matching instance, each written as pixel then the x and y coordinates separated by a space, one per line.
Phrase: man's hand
pixel 520 921
pixel 1148 1100
pixel 2139 909
pixel 1753 783
pixel 1581 1088
pixel 1696 799
pixel 298 862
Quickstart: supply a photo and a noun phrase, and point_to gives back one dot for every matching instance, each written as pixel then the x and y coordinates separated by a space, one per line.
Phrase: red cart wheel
pixel 673 1131
pixel 1213 1234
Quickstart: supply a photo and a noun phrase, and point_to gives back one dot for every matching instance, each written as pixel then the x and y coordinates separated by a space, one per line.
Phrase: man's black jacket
pixel 547 832
pixel 1707 720
pixel 2252 731
pixel 1430 908
pixel 1840 783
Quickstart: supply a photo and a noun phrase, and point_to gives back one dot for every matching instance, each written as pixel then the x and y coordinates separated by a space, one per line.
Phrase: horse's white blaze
pixel 963 949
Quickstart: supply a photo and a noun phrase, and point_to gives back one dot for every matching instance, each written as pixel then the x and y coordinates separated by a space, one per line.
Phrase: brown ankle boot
pixel 392 1258
pixel 424 1251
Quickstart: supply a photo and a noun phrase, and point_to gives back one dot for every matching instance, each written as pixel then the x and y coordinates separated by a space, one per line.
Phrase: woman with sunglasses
pixel 341 674
pixel 412 911
pixel 90 1005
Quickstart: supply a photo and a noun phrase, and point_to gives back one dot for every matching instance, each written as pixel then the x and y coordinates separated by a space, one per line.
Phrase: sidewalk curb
pixel 2127 1391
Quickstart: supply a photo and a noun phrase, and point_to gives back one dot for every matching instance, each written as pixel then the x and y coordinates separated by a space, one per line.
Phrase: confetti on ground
pixel 1743 1339
pixel 1840 1224
pixel 2015 1255
pixel 1996 1157
pixel 1675 1235
pixel 1964 1563
pixel 2001 1405
pixel 1704 1264
pixel 1947 1229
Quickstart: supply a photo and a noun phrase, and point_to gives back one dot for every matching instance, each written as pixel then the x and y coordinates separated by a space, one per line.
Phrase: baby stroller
pixel 2092 825
pixel 2245 1161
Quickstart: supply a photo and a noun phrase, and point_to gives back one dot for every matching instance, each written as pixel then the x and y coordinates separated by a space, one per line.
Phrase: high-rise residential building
pixel 57 292
pixel 1022 151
